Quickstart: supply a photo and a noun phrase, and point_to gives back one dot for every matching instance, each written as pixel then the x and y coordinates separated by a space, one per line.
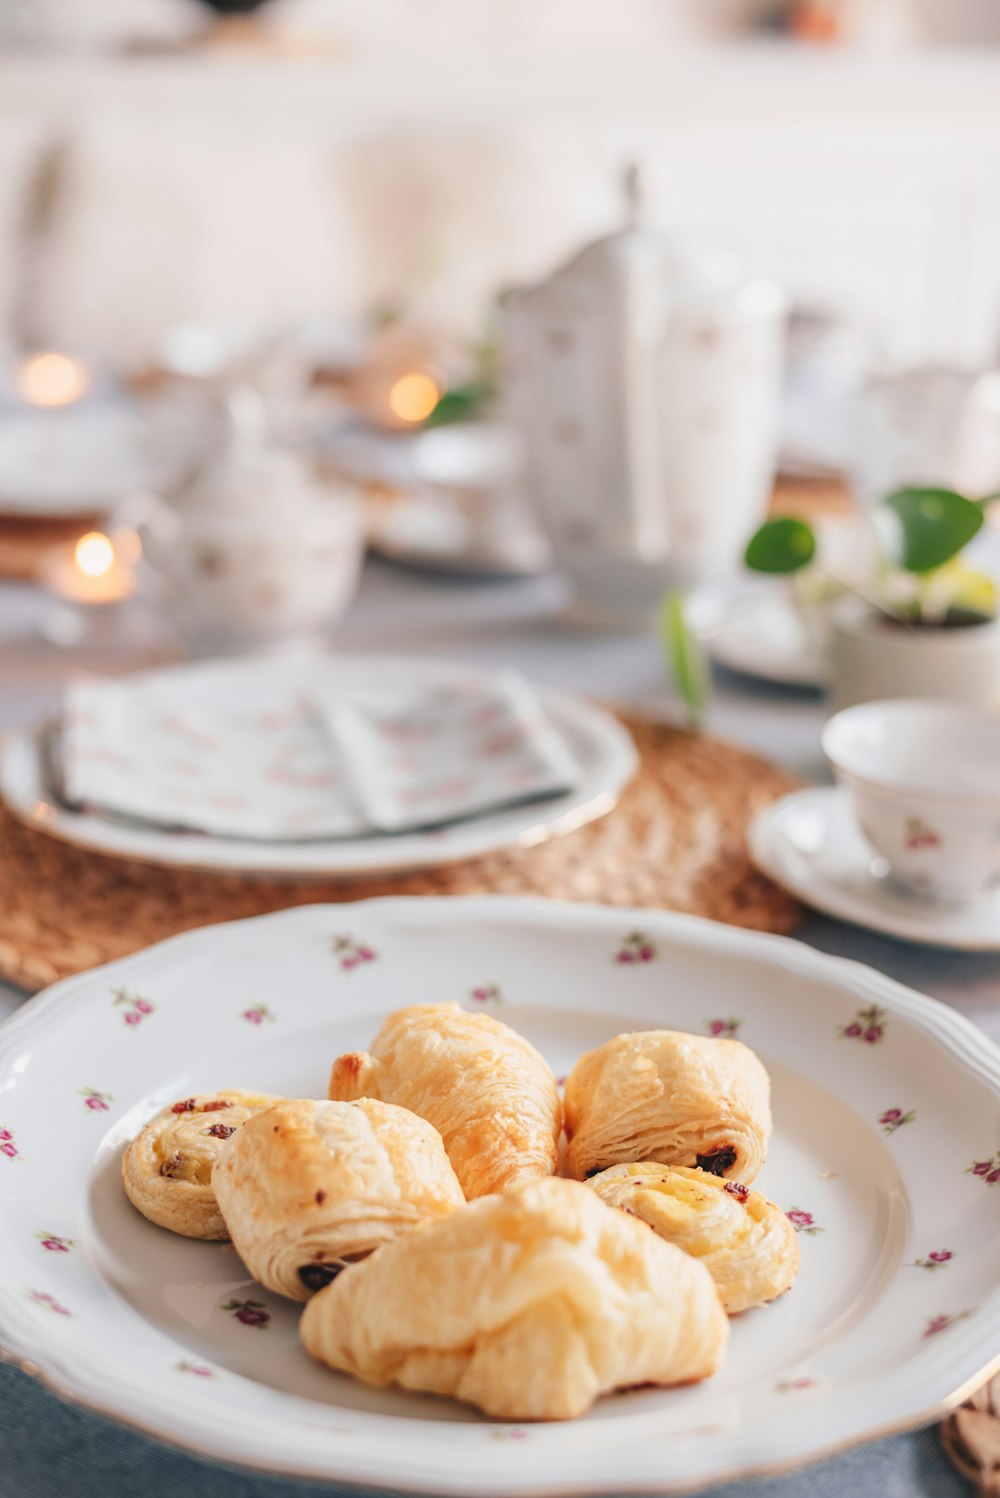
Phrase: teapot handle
pixel 149 516
pixel 634 193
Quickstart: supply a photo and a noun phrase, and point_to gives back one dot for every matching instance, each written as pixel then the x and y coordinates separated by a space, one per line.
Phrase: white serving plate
pixel 88 458
pixel 601 746
pixel 810 844
pixel 874 1143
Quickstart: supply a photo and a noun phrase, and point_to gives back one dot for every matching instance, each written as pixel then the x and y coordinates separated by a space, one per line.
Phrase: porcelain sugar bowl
pixel 255 552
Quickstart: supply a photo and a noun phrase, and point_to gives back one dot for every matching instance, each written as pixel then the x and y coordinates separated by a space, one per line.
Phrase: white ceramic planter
pixel 872 659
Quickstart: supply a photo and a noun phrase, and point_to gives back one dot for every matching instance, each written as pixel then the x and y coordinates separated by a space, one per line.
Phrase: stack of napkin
pixel 303 759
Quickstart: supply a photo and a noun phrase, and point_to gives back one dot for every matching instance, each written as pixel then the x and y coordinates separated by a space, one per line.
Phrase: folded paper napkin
pixel 306 760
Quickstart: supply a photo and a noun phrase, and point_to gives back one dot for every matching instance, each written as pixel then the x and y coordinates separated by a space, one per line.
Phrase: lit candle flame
pixel 52 380
pixel 94 555
pixel 414 396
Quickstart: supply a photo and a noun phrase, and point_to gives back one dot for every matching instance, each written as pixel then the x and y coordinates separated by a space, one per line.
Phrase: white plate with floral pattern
pixel 810 844
pixel 886 1155
pixel 600 745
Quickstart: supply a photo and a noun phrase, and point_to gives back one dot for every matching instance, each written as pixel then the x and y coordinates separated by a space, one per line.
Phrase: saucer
pixel 432 531
pixel 760 633
pixel 809 844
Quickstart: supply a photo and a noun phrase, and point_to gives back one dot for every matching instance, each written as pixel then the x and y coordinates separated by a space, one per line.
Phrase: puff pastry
pixel 167 1169
pixel 664 1095
pixel 307 1187
pixel 487 1091
pixel 746 1243
pixel 528 1305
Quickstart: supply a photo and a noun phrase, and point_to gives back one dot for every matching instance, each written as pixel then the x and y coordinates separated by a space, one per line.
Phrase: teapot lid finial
pixel 634 189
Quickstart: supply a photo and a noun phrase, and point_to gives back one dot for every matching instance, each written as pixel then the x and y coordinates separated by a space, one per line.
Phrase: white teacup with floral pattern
pixel 924 782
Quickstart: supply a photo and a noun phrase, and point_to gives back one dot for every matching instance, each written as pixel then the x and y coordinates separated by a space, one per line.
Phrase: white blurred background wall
pixel 427 155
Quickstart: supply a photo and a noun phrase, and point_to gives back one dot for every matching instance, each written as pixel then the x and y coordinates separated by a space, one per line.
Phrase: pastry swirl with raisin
pixel 167 1169
pixel 746 1243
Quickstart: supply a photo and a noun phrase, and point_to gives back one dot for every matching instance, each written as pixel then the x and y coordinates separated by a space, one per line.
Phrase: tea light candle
pixel 413 396
pixel 97 570
pixel 398 386
pixel 51 380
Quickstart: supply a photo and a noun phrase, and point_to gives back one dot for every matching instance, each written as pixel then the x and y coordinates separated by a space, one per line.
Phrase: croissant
pixel 487 1091
pixel 528 1305
pixel 167 1169
pixel 307 1187
pixel 664 1095
pixel 746 1243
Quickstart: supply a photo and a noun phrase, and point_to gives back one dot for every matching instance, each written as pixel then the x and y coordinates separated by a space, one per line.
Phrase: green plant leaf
pixel 460 403
pixel 782 545
pixel 684 657
pixel 935 524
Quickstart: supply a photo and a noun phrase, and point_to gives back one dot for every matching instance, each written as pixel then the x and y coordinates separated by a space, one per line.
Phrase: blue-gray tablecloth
pixel 52 1450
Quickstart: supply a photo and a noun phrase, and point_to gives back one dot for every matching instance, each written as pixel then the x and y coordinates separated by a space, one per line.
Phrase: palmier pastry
pixel 167 1169
pixel 307 1187
pixel 490 1095
pixel 528 1305
pixel 745 1242
pixel 664 1095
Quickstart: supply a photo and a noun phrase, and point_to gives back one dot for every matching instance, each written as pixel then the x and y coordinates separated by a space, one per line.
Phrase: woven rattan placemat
pixel 676 840
pixel 27 545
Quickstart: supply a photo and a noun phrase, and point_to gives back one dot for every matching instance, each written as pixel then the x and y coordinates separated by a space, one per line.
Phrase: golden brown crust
pixel 167 1169
pixel 745 1242
pixel 668 1096
pixel 487 1091
pixel 307 1186
pixel 528 1305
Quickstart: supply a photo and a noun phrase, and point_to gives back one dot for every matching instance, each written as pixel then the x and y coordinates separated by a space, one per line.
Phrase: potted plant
pixel 913 619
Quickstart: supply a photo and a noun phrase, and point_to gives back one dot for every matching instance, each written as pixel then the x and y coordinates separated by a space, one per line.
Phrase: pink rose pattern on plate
pixel 134 1007
pixel 54 1244
pixel 937 1259
pixel 894 1118
pixel 97 1102
pixel 796 1385
pixel 486 993
pixel 198 1369
pixel 48 1303
pixel 941 1323
pixel 8 1145
pixel 257 1014
pixel 723 1029
pixel 987 1170
pixel 867 1025
pixel 352 953
pixel 919 836
pixel 249 1312
pixel 635 948
pixel 803 1222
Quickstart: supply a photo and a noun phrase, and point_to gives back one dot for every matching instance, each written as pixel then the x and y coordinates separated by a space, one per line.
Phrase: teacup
pixel 923 777
pixel 244 581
